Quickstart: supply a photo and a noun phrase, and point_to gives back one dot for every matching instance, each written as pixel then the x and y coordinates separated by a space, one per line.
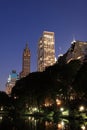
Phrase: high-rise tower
pixel 46 50
pixel 25 62
pixel 78 50
pixel 13 77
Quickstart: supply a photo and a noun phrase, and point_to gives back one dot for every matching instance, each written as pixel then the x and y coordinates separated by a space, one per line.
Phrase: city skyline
pixel 22 21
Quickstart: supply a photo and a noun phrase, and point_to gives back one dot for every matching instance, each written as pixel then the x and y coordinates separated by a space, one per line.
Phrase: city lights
pixel 83 127
pixel 61 109
pixel 81 108
pixel 61 125
pixel 58 102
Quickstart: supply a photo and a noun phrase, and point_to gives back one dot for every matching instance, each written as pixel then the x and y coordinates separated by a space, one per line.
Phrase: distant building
pixel 78 50
pixel 25 62
pixel 13 77
pixel 46 50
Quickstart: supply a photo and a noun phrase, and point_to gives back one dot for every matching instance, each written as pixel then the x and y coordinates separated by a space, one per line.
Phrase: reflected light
pixel 83 127
pixel 0 117
pixel 61 125
pixel 2 108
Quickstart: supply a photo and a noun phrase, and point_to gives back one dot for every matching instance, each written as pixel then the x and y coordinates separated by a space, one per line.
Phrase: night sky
pixel 25 20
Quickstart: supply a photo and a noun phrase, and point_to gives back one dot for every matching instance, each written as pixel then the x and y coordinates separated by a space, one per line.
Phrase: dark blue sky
pixel 25 20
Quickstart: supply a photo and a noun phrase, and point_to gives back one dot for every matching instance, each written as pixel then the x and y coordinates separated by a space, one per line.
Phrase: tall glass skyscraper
pixel 46 50
pixel 13 77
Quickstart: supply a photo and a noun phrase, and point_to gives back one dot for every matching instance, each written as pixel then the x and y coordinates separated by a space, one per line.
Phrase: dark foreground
pixel 31 123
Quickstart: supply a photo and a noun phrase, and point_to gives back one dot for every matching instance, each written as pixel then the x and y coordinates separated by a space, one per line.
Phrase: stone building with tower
pixel 46 51
pixel 25 62
pixel 13 76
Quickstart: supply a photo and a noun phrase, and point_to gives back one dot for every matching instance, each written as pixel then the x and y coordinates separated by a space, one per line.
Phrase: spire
pixel 26 50
pixel 25 62
pixel 26 44
pixel 73 41
pixel 26 47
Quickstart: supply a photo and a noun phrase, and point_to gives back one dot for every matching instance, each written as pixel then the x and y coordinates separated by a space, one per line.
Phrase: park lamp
pixel 58 102
pixel 61 109
pixel 81 108
pixel 83 127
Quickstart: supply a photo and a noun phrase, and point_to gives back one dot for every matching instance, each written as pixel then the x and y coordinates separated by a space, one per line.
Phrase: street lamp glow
pixel 61 109
pixel 81 108
pixel 83 127
pixel 58 102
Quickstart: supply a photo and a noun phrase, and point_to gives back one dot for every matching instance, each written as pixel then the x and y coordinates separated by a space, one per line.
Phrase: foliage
pixel 4 99
pixel 56 79
pixel 80 82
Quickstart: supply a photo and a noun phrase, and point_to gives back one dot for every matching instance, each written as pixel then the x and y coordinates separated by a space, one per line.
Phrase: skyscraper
pixel 13 77
pixel 46 50
pixel 78 50
pixel 25 62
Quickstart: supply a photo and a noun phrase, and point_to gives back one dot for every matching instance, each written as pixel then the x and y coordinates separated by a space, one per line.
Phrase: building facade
pixel 78 50
pixel 25 62
pixel 46 50
pixel 13 77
